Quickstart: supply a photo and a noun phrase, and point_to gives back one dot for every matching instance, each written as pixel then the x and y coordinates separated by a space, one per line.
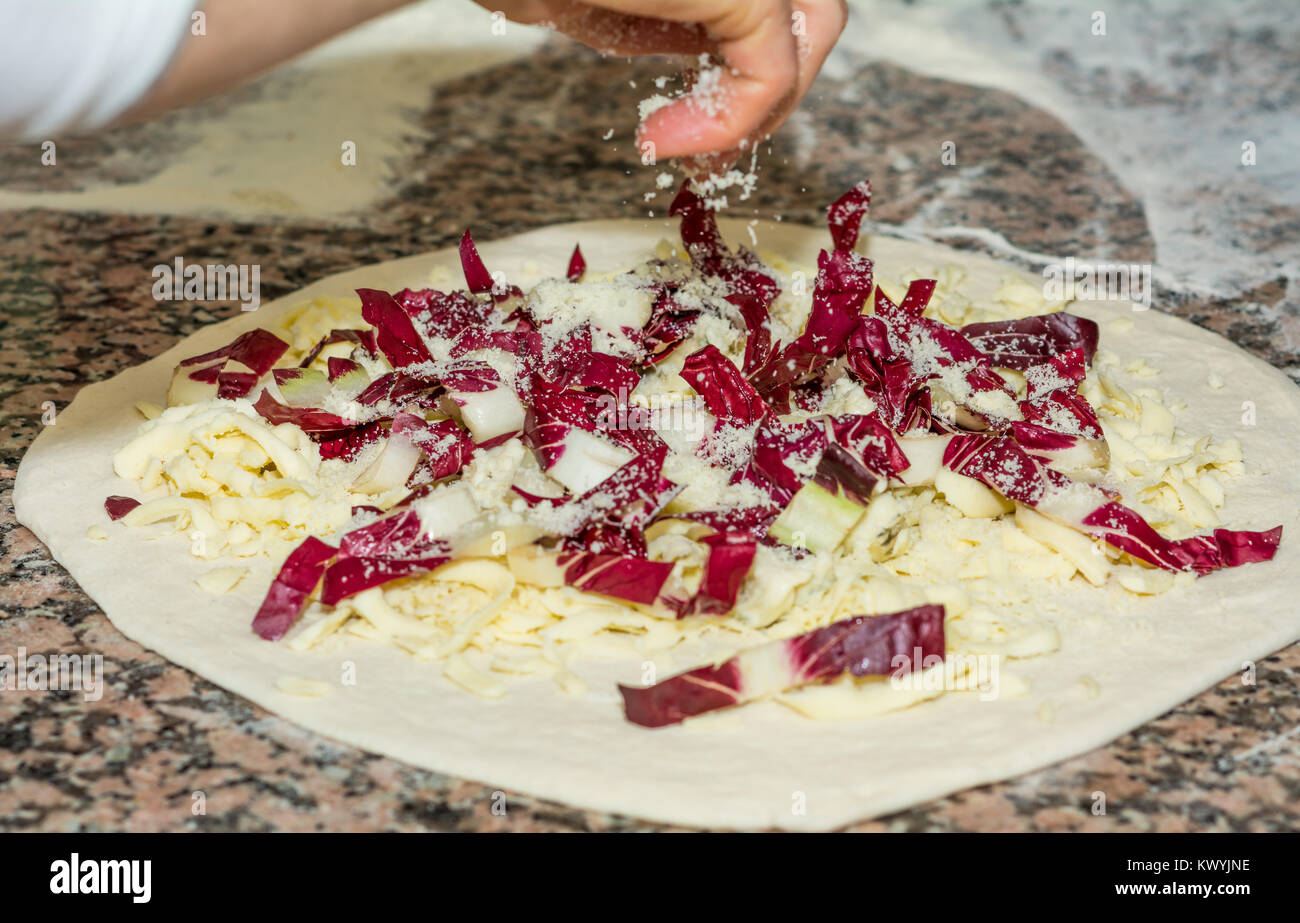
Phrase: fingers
pixel 729 103
pixel 611 31
pixel 615 33
pixel 816 31
pixel 823 22
pixel 770 51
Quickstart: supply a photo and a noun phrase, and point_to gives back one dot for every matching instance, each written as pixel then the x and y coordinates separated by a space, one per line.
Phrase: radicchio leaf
pixel 118 506
pixel 731 554
pixel 601 372
pixel 477 278
pixel 1026 341
pixel 551 414
pixel 752 520
pixel 842 285
pixel 348 445
pixel 1064 451
pixel 577 265
pixel 1062 372
pixel 727 395
pixel 843 282
pixel 618 508
pixel 636 580
pixel 758 331
pixel 208 374
pixel 363 338
pixel 472 339
pixel 699 226
pixel 297 578
pixel 1054 403
pixel 348 377
pixel 841 474
pixel 861 646
pixel 553 361
pixel 444 314
pixel 258 349
pixel 231 385
pixel 351 576
pixel 447 448
pixel 742 273
pixel 886 375
pixel 306 419
pixel 384 550
pixel 393 536
pixel 668 326
pixel 395 333
pixel 607 538
pixel 377 390
pixel 1063 412
pixel 1000 463
pixel 870 441
pixel 1125 529
pixel 845 214
pixel 776 444
pixel 907 323
pixel 932 347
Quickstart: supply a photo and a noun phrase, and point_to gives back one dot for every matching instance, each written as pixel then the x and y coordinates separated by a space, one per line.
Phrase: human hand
pixel 768 62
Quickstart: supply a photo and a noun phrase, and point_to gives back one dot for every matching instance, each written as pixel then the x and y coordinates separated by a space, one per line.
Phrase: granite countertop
pixel 515 147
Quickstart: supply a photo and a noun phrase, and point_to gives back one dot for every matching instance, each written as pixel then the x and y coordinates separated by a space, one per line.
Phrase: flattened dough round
pixel 757 770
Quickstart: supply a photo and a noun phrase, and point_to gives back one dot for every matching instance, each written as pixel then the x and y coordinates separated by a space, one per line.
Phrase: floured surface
pixel 753 768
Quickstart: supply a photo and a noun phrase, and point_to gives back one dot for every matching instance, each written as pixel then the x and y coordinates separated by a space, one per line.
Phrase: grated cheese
pixel 240 488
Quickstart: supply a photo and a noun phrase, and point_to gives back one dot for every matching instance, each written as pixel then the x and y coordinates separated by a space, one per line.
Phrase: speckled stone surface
pixel 515 148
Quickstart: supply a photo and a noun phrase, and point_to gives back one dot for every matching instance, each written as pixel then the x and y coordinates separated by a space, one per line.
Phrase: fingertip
pixel 683 129
pixel 731 102
pixel 718 118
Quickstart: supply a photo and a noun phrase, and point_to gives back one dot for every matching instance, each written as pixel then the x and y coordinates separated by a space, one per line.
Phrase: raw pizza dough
pixel 762 766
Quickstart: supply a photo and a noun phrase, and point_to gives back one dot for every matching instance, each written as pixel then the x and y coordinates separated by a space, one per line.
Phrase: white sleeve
pixel 76 65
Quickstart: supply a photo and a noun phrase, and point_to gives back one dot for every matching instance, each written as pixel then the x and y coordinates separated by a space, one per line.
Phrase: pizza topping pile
pixel 570 431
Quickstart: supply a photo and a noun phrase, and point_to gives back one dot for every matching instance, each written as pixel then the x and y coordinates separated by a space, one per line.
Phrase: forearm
pixel 245 37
